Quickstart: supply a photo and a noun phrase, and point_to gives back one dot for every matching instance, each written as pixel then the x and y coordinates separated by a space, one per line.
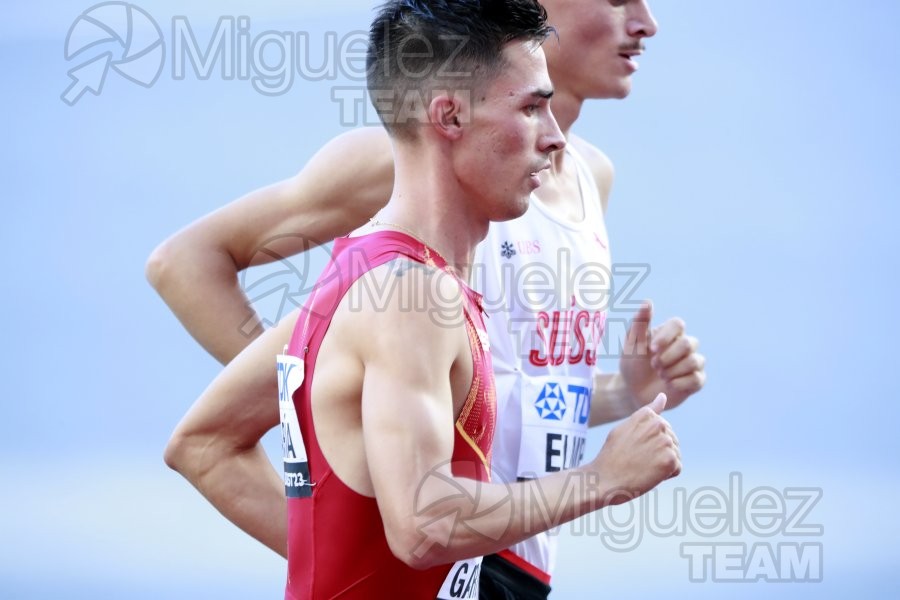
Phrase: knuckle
pixel 691 383
pixel 670 461
pixel 682 384
pixel 701 361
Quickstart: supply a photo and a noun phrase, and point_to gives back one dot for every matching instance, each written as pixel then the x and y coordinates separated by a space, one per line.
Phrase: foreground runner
pixel 544 351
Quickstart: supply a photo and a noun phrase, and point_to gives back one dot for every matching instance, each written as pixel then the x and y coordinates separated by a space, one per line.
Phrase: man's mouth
pixel 630 54
pixel 538 171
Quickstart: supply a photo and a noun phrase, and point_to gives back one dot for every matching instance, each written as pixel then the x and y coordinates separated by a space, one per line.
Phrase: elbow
pixel 175 453
pixel 420 547
pixel 158 268
pixel 188 455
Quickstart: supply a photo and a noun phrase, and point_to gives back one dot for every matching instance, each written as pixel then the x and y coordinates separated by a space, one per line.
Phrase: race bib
pixel 296 466
pixel 555 415
pixel 462 580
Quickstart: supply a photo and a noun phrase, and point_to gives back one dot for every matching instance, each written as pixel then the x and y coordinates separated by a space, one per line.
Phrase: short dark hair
pixel 415 45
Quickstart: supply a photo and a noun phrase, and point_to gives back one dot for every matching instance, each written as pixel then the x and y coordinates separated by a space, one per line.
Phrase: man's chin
pixel 522 207
pixel 615 91
pixel 514 210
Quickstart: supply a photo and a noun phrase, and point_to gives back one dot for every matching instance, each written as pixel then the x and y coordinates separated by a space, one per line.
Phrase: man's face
pixel 510 135
pixel 598 40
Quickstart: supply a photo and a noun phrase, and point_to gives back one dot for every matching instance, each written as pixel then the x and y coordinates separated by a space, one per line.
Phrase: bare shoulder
pixel 406 286
pixel 362 146
pixel 406 306
pixel 600 165
pixel 359 163
pixel 347 181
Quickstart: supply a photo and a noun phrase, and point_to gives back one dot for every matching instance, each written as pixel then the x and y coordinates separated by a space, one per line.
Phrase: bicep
pixel 408 434
pixel 407 406
pixel 407 422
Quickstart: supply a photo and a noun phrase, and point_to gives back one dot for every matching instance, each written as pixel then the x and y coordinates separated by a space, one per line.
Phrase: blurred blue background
pixel 757 174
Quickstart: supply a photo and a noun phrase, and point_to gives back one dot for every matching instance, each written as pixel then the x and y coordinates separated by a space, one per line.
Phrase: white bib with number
pixel 462 580
pixel 555 415
pixel 296 466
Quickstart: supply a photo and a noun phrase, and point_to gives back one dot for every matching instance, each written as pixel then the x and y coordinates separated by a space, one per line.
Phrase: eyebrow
pixel 542 93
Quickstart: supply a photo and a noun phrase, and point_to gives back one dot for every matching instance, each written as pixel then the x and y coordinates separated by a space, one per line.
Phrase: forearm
pixel 488 518
pixel 216 446
pixel 241 484
pixel 611 399
pixel 200 286
pixel 463 518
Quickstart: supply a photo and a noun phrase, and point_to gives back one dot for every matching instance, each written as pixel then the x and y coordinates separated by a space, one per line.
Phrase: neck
pixel 428 204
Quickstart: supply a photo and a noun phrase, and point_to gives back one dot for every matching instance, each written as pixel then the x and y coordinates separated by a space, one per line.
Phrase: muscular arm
pixel 432 517
pixel 195 270
pixel 216 446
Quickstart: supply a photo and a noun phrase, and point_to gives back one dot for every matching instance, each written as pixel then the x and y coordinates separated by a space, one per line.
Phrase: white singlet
pixel 546 283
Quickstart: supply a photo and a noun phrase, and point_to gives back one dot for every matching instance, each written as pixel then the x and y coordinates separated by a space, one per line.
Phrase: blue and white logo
pixel 121 36
pixel 551 403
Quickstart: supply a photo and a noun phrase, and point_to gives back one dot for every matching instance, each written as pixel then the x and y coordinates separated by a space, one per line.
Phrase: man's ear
pixel 446 113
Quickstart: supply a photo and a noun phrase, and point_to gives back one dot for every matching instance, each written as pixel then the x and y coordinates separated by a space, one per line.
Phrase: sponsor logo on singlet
pixel 296 466
pixel 555 415
pixel 528 247
pixel 551 404
pixel 523 247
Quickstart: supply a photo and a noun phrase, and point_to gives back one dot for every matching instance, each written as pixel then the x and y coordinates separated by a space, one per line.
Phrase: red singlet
pixel 336 542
